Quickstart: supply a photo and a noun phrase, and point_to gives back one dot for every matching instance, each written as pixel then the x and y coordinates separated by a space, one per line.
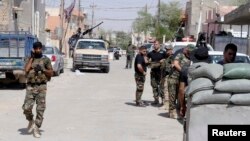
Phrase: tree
pixel 168 23
pixel 144 22
pixel 122 39
pixel 239 2
pixel 169 20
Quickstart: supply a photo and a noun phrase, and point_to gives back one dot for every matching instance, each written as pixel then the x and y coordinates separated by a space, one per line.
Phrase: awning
pixel 239 16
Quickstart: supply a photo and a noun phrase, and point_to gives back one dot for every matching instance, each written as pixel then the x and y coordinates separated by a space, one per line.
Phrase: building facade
pixel 23 15
pixel 193 10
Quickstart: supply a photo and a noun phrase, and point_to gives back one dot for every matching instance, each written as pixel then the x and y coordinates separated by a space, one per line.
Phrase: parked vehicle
pixel 216 56
pixel 116 55
pixel 91 53
pixel 15 48
pixel 56 58
pixel 180 45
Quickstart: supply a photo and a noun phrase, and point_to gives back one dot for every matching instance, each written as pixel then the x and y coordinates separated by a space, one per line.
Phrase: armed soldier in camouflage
pixel 166 70
pixel 140 73
pixel 130 55
pixel 181 60
pixel 38 70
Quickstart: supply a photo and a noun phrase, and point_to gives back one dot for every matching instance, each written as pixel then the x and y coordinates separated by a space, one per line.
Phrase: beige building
pixel 53 24
pixel 193 10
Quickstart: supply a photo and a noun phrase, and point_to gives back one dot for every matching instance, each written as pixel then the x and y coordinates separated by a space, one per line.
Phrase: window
pixel 91 45
pixel 48 50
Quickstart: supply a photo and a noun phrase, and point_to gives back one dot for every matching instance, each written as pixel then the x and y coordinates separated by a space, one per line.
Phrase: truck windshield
pixel 91 45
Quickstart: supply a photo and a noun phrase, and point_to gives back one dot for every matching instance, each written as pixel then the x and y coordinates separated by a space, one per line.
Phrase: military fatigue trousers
pixel 139 80
pixel 35 93
pixel 155 83
pixel 164 87
pixel 173 86
pixel 129 61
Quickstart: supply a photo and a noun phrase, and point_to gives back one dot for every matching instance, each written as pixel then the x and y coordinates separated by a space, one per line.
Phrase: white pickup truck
pixel 91 53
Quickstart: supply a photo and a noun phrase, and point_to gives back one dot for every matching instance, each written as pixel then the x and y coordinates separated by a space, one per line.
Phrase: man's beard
pixel 38 55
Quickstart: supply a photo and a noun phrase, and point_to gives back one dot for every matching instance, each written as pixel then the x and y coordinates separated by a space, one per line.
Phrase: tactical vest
pixel 37 77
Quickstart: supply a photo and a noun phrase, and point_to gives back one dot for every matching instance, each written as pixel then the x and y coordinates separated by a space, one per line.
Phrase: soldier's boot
pixel 156 102
pixel 30 126
pixel 173 114
pixel 36 132
pixel 165 106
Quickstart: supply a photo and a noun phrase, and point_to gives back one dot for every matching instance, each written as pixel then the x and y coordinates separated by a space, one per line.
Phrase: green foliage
pixel 122 39
pixel 239 2
pixel 144 21
pixel 168 24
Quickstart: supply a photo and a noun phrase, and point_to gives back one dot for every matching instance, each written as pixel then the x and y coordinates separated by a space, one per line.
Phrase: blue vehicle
pixel 15 48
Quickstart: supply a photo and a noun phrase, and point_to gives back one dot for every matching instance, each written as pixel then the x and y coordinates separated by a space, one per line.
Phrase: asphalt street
pixel 90 106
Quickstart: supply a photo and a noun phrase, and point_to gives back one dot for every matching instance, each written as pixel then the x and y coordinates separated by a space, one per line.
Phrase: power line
pixel 110 19
pixel 119 8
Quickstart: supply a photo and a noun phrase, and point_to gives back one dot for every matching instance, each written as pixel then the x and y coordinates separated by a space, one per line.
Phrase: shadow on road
pixel 23 131
pixel 12 86
pixel 165 114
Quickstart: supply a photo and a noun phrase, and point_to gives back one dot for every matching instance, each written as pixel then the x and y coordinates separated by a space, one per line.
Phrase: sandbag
pixel 233 86
pixel 240 99
pixel 211 71
pixel 210 97
pixel 237 71
pixel 199 85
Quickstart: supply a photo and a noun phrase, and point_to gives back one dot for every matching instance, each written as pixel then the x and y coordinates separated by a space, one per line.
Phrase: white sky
pixel 105 10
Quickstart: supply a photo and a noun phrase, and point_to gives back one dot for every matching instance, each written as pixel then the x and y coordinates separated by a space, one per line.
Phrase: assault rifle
pixel 90 30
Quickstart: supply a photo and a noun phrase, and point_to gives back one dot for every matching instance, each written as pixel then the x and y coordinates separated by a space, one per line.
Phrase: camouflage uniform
pixel 166 71
pixel 130 56
pixel 140 80
pixel 36 91
pixel 155 78
pixel 173 81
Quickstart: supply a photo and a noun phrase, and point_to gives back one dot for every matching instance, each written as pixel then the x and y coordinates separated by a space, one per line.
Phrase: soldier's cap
pixel 37 45
pixel 169 47
pixel 200 55
pixel 191 47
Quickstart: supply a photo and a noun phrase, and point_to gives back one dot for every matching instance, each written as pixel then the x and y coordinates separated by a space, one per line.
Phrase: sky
pixel 117 15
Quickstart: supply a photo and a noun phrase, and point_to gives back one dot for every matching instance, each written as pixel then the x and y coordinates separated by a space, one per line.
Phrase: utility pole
pixel 93 13
pixel 159 11
pixel 79 8
pixel 200 20
pixel 92 19
pixel 158 19
pixel 61 25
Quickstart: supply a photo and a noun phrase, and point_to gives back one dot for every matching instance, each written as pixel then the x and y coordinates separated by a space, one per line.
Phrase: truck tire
pixel 57 73
pixel 106 70
pixel 22 85
pixel 62 70
pixel 73 68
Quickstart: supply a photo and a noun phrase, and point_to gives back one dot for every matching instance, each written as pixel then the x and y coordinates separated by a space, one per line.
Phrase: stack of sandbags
pixel 217 95
pixel 217 84
pixel 236 80
pixel 201 89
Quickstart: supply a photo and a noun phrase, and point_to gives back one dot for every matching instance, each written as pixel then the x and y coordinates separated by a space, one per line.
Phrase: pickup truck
pixel 91 53
pixel 15 48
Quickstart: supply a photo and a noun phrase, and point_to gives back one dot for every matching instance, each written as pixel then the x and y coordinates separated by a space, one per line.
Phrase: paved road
pixel 92 106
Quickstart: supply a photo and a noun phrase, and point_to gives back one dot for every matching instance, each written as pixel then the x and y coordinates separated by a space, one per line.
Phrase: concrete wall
pixel 193 9
pixel 24 20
